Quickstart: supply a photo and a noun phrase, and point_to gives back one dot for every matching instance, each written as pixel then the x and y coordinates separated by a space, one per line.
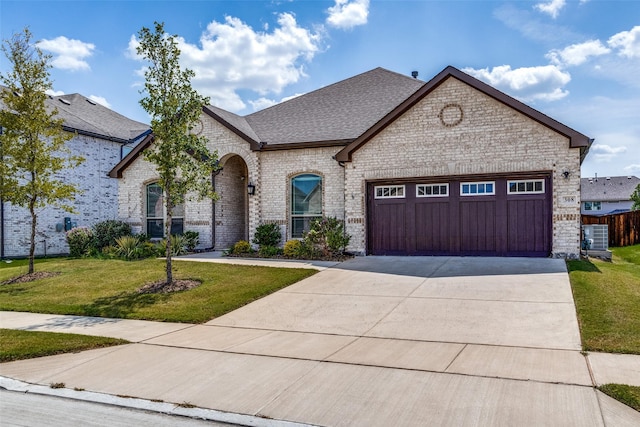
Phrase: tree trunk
pixel 167 232
pixel 32 246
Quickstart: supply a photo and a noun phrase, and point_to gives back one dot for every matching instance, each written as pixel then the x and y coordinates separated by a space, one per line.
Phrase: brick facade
pixel 97 201
pixel 455 130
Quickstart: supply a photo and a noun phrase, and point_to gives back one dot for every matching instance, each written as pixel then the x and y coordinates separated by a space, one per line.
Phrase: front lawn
pixel 108 288
pixel 607 296
pixel 18 345
pixel 627 394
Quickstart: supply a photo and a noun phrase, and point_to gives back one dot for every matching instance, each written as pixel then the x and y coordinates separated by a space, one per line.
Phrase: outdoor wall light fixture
pixel 566 174
pixel 251 189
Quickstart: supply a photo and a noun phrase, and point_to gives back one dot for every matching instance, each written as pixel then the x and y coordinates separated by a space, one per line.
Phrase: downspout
pixel 344 198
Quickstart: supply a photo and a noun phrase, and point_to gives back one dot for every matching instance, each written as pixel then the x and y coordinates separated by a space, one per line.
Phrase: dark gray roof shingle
pixel 83 115
pixel 607 189
pixel 341 111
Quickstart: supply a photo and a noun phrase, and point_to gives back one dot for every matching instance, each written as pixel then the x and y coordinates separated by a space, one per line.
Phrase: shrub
pixel 242 247
pixel 106 232
pixel 177 245
pixel 80 241
pixel 191 239
pixel 268 251
pixel 328 236
pixel 267 235
pixel 127 247
pixel 292 248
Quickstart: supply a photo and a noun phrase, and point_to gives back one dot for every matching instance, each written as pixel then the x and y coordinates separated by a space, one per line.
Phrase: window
pixel 525 186
pixel 389 192
pixel 156 214
pixel 477 188
pixel 432 190
pixel 306 202
pixel 592 206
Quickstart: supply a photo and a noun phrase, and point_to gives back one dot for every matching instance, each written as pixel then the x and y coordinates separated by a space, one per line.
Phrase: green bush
pixel 106 232
pixel 292 248
pixel 267 235
pixel 178 247
pixel 268 251
pixel 328 236
pixel 127 247
pixel 191 239
pixel 80 240
pixel 242 247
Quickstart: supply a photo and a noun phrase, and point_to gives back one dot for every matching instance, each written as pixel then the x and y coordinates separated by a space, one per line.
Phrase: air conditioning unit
pixel 595 237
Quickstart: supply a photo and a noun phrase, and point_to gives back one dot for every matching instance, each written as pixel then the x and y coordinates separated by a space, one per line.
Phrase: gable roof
pixel 86 117
pixel 337 113
pixel 576 139
pixel 608 189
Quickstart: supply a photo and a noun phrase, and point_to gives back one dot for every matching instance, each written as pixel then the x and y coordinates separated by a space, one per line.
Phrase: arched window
pixel 306 202
pixel 156 213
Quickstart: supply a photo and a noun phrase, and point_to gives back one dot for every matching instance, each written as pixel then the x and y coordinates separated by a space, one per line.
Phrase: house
pixel 102 137
pixel 451 166
pixel 608 195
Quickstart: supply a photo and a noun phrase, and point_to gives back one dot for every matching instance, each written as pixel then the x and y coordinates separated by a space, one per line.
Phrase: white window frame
pixel 525 182
pixel 176 215
pixel 432 186
pixel 476 183
pixel 592 206
pixel 398 189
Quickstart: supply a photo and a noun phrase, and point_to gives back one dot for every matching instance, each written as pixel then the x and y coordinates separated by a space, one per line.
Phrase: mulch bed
pixel 162 287
pixel 30 277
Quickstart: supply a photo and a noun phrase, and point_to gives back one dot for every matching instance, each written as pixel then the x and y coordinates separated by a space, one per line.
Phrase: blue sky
pixel 576 61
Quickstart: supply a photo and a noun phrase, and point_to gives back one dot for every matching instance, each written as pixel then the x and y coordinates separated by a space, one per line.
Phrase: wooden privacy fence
pixel 624 228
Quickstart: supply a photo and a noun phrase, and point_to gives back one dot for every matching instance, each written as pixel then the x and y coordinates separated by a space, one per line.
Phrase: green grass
pixel 607 296
pixel 627 394
pixel 23 262
pixel 18 345
pixel 108 288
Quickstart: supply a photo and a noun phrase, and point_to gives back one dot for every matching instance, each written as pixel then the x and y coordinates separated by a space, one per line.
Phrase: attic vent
pixel 608 178
pixel 91 101
pixel 64 101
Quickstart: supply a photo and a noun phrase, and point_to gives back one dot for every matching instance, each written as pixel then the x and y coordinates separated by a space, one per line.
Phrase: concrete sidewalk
pixel 372 341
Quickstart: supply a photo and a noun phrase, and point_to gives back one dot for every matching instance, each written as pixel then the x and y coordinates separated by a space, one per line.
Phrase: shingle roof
pixel 86 116
pixel 606 189
pixel 82 115
pixel 338 112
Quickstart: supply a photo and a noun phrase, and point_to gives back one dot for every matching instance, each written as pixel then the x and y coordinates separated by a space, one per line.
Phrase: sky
pixel 578 61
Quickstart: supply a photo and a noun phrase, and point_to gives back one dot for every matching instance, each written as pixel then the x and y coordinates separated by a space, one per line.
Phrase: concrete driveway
pixel 374 341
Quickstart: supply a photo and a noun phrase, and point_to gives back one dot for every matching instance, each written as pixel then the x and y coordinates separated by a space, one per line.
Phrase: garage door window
pixel 306 202
pixel 432 190
pixel 477 188
pixel 389 192
pixel 531 186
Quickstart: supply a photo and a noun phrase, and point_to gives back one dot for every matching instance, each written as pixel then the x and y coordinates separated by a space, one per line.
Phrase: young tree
pixel 183 163
pixel 635 196
pixel 32 140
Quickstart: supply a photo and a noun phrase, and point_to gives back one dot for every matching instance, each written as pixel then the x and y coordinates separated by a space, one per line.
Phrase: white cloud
pixel 54 92
pixel 532 27
pixel 528 84
pixel 627 42
pixel 577 54
pixel 604 152
pixel 552 7
pixel 232 56
pixel 633 168
pixel 262 103
pixel 69 54
pixel 100 100
pixel 346 14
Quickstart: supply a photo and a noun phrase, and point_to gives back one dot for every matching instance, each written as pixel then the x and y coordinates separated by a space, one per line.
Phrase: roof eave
pixel 255 146
pixel 117 170
pixel 309 144
pixel 576 139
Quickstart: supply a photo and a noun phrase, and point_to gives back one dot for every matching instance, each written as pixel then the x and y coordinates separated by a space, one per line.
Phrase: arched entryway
pixel 231 210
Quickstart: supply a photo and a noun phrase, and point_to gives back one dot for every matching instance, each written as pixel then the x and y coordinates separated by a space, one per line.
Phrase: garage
pixel 475 216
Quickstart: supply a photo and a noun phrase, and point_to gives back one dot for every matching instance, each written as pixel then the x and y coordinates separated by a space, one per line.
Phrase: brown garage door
pixel 498 216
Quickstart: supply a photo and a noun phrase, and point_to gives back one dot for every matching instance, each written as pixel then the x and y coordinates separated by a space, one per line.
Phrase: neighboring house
pixel 102 137
pixel 446 167
pixel 602 196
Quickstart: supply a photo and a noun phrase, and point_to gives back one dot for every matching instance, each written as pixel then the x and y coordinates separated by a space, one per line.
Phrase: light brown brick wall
pixel 491 138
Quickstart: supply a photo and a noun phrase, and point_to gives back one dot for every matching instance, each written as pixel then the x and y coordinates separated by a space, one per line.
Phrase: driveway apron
pixel 373 341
